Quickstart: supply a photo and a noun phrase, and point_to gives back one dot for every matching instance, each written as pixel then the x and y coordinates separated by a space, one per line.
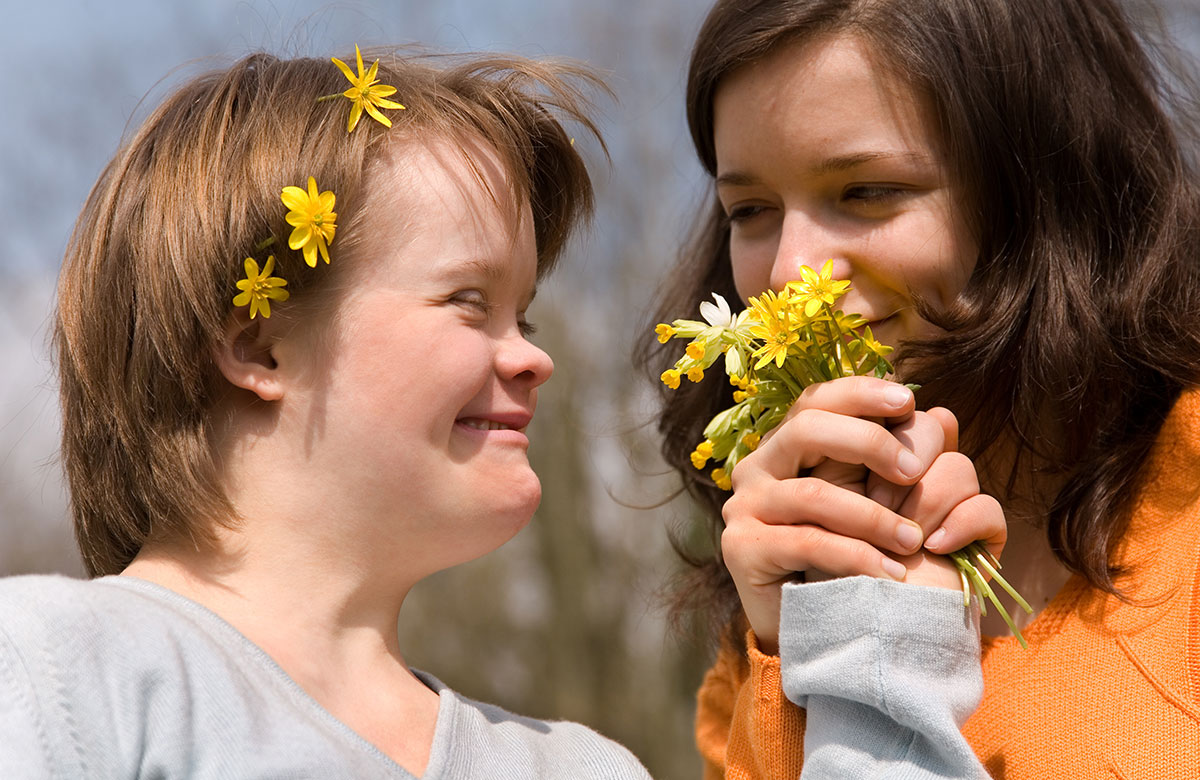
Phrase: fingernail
pixel 935 538
pixel 897 395
pixel 909 537
pixel 909 464
pixel 894 570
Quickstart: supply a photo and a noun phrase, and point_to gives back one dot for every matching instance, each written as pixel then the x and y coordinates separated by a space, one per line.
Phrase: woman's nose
pixel 804 241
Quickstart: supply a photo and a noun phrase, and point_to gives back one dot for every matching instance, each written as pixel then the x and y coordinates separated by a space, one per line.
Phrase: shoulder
pixel 480 740
pixel 84 616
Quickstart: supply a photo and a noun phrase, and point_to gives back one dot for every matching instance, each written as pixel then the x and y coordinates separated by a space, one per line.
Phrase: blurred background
pixel 566 620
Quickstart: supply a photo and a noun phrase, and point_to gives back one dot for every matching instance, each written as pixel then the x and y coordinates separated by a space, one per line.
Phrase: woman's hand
pixel 851 441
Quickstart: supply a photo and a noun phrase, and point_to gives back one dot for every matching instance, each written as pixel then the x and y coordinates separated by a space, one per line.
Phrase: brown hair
pixel 1080 324
pixel 149 275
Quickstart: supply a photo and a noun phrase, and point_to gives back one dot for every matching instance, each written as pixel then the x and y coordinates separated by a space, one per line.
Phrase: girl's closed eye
pixel 474 300
pixel 526 327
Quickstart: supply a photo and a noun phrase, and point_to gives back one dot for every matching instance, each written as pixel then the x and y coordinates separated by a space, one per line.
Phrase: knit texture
pixel 120 678
pixel 1107 689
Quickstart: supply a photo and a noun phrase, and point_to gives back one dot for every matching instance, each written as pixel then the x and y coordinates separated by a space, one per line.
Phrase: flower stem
pixel 972 579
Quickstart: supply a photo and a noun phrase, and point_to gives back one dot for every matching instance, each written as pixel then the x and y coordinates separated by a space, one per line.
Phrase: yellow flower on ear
pixel 364 93
pixel 313 218
pixel 258 289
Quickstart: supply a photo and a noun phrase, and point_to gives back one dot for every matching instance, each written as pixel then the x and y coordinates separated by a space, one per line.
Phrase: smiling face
pixel 821 155
pixel 416 414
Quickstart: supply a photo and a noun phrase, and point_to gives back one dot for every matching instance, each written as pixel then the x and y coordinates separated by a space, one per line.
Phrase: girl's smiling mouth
pixel 515 422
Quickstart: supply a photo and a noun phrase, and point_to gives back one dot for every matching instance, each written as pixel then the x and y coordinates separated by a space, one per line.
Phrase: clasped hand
pixel 853 481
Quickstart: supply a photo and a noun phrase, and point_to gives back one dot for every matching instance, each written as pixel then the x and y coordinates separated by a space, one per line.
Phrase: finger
pixel 858 396
pixel 812 501
pixel 763 555
pixel 925 436
pixel 949 426
pixel 979 518
pixel 948 482
pixel 813 435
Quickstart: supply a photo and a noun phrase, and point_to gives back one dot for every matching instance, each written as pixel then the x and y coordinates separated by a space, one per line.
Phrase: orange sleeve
pixel 746 729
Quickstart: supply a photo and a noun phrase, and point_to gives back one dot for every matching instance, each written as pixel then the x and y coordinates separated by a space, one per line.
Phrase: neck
pixel 296 608
pixel 331 629
pixel 1031 568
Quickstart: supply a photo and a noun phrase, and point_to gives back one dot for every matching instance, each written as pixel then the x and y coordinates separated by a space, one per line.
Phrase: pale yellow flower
pixel 313 218
pixel 258 289
pixel 364 93
pixel 664 332
pixel 670 378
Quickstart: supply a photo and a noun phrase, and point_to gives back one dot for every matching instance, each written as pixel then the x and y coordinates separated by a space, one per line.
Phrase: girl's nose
pixel 522 360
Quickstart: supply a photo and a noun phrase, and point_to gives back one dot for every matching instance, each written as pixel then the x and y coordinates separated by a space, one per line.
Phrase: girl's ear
pixel 245 356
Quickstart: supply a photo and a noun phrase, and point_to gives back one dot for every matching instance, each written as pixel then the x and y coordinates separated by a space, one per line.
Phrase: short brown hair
pixel 149 274
pixel 1080 324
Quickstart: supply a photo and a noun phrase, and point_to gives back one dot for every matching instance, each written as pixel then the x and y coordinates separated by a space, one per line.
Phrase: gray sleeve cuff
pixel 888 673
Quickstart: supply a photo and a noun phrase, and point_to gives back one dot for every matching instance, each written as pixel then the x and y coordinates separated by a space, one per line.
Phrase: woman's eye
pixel 745 213
pixel 871 193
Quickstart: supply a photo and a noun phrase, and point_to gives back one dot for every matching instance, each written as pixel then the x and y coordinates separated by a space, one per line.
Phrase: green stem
pixel 969 572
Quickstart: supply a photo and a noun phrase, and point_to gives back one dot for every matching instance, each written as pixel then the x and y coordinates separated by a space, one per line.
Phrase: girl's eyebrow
pixel 834 164
pixel 489 268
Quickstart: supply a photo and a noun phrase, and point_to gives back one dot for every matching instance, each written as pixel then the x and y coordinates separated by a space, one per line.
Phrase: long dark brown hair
pixel 1080 324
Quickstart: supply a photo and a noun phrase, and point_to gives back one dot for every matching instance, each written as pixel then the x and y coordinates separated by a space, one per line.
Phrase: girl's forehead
pixel 434 206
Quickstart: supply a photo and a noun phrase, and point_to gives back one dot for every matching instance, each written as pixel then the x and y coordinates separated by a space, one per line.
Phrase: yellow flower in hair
pixel 313 218
pixel 258 289
pixel 364 93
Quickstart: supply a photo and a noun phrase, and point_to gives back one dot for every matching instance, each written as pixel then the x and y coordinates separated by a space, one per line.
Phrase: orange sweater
pixel 1107 689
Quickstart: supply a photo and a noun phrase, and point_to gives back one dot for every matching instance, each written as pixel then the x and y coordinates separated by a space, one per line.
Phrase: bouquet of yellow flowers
pixel 774 349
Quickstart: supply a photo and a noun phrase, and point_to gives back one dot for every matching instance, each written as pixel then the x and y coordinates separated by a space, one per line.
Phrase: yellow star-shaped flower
pixel 258 289
pixel 364 93
pixel 814 289
pixel 313 218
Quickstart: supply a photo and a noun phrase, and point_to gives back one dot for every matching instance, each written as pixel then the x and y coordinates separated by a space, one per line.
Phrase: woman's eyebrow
pixel 841 162
pixel 848 161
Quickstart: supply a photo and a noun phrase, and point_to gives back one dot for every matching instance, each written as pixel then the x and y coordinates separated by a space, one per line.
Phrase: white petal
pixel 717 316
pixel 723 305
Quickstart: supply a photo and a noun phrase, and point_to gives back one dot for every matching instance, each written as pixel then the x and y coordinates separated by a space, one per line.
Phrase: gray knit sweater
pixel 120 678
